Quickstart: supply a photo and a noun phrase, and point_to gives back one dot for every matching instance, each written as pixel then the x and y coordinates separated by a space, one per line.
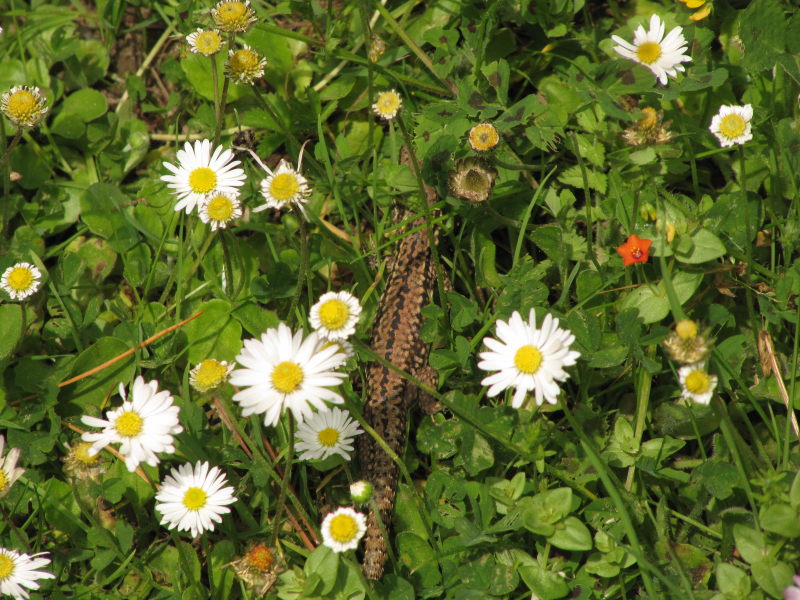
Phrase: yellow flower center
pixel 334 314
pixel 388 103
pixel 483 137
pixel 686 329
pixel 287 377
pixel 232 16
pixel 343 528
pixel 202 180
pixel 220 208
pixel 260 558
pixel 3 481
pixel 129 424
pixel 6 567
pixel 194 498
pixel 528 359
pixel 208 42
pixel 81 454
pixel 284 187
pixel 328 437
pixel 209 374
pixel 20 279
pixel 22 105
pixel 243 62
pixel 732 126
pixel 698 382
pixel 649 52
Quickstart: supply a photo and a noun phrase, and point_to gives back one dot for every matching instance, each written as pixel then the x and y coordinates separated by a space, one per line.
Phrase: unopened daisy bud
pixel 483 137
pixel 209 374
pixel 361 491
pixel 472 180
pixel 21 280
pixel 233 16
pixel 244 65
pixel 387 104
pixel 23 105
pixel 376 48
pixel 205 42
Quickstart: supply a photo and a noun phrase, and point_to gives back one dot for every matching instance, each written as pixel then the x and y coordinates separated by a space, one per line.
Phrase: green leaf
pixel 323 563
pixel 781 519
pixel 214 334
pixel 10 328
pixel 419 558
pixel 762 27
pixel 546 585
pixel 651 301
pixel 772 576
pixel 86 104
pixel 732 582
pixel 750 543
pixel 705 246
pixel 89 393
pixel 103 209
pixel 571 534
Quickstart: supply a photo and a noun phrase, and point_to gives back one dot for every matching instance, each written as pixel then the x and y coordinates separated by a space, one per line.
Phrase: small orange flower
pixel 635 250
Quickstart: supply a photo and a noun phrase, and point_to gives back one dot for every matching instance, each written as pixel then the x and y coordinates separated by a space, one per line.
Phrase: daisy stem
pixel 748 223
pixel 672 296
pixel 226 256
pixel 302 274
pixel 217 109
pixel 7 153
pixel 286 479
pixel 223 98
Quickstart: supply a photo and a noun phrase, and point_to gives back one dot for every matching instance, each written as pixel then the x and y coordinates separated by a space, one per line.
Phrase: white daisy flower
pixel 23 105
pixel 283 186
pixel 696 383
pixel 335 315
pixel 193 499
pixel 200 174
pixel 343 528
pixel 731 124
pixel 19 571
pixel 527 358
pixel 204 41
pixel 284 370
pixel 327 433
pixel 387 104
pixel 9 471
pixel 21 280
pixel 343 347
pixel 209 374
pixel 142 426
pixel 220 210
pixel 662 55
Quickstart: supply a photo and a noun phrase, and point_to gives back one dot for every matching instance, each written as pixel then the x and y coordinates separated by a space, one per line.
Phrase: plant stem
pixel 217 106
pixel 302 273
pixel 588 201
pixel 642 403
pixel 228 270
pixel 286 478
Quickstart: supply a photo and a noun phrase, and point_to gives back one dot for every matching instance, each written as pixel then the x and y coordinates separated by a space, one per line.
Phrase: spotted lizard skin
pixel 395 337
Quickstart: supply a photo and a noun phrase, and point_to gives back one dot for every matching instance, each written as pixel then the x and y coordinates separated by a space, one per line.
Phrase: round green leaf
pixel 571 534
pixel 214 334
pixel 86 104
pixel 705 246
pixel 10 328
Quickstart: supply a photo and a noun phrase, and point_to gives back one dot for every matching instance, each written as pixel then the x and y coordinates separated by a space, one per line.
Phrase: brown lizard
pixel 396 338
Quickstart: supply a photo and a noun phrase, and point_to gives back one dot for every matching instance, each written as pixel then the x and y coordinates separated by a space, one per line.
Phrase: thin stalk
pixel 302 274
pixel 588 200
pixel 223 98
pixel 790 405
pixel 14 142
pixel 217 105
pixel 5 173
pixel 642 404
pixel 226 255
pixel 286 479
pixel 748 246
pixel 674 303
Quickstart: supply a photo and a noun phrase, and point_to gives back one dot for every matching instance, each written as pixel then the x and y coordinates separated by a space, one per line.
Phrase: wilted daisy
pixel 200 174
pixel 209 374
pixel 193 499
pixel 327 433
pixel 686 344
pixel 220 210
pixel 21 280
pixel 245 65
pixel 335 315
pixel 143 425
pixel 19 571
pixel 9 471
pixel 472 180
pixel 343 528
pixel 283 187
pixel 284 370
pixel 731 124
pixel 696 383
pixel 483 137
pixel 204 41
pixel 387 104
pixel 23 105
pixel 649 129
pixel 527 358
pixel 257 568
pixel 80 464
pixel 233 16
pixel 662 55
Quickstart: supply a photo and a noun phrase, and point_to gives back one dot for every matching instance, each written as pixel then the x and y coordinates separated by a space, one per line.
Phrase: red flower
pixel 635 250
